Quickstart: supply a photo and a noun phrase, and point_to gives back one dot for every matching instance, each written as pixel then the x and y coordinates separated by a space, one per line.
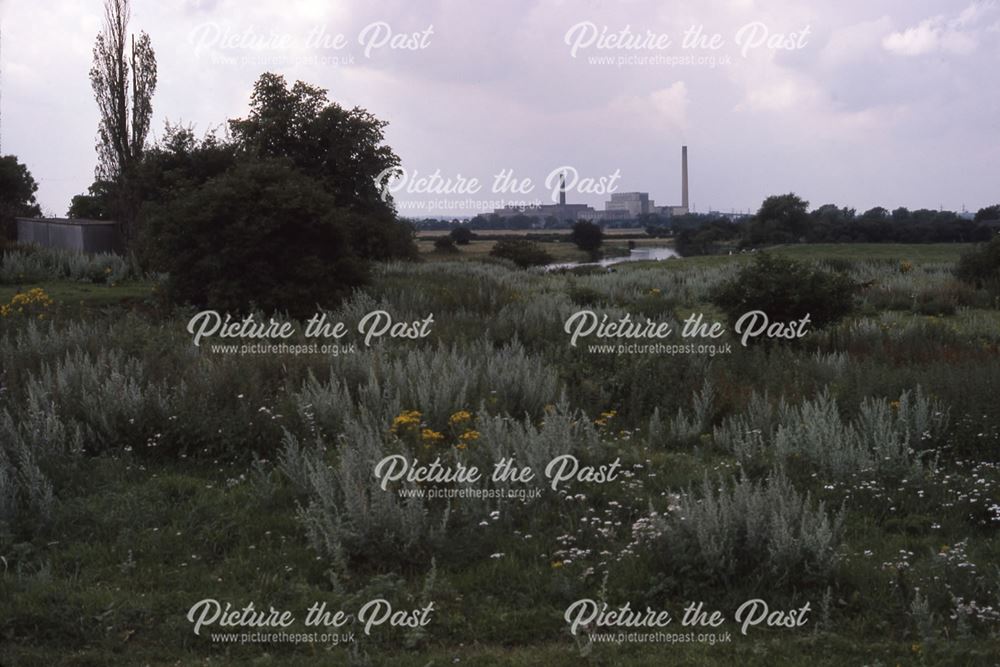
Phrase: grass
pixel 85 294
pixel 922 253
pixel 136 536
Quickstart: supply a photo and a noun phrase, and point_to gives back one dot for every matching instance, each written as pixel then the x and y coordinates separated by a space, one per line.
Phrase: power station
pixel 621 206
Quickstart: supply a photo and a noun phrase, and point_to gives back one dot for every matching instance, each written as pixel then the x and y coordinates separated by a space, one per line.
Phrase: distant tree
pixel 97 204
pixel 780 219
pixel 17 195
pixel 708 237
pixel 877 214
pixel 521 252
pixel 987 213
pixel 587 236
pixel 260 235
pixel 123 77
pixel 462 235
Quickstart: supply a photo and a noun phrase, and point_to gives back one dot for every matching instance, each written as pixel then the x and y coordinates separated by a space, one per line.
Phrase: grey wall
pixel 82 237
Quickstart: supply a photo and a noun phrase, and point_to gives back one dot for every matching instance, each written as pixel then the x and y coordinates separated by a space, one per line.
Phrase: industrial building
pixel 621 206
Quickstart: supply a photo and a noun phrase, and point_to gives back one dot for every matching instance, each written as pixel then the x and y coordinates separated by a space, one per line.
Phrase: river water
pixel 635 255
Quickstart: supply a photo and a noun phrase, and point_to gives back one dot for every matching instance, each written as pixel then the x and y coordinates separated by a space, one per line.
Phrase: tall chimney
pixel 684 177
pixel 562 189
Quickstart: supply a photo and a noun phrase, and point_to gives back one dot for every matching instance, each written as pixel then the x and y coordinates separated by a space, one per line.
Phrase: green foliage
pixel 786 290
pixel 97 204
pixel 123 77
pixel 260 235
pixel 763 532
pixel 981 267
pixel 521 252
pixel 17 195
pixel 587 236
pixel 341 148
pixel 780 219
pixel 988 213
pixel 462 235
pixel 445 244
pixel 26 264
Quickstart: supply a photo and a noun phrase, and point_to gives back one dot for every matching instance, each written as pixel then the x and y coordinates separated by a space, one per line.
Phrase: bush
pixel 259 235
pixel 786 290
pixel 587 236
pixel 462 235
pixel 521 252
pixel 764 531
pixel 445 244
pixel 981 267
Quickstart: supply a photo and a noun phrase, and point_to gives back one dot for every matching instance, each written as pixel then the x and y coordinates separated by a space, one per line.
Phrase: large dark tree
pixel 17 195
pixel 123 77
pixel 261 234
pixel 343 149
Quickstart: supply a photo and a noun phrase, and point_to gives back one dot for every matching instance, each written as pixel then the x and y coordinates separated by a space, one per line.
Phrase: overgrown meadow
pixel 855 469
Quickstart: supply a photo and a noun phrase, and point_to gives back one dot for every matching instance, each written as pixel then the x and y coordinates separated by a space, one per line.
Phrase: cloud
pixel 854 43
pixel 958 35
pixel 666 108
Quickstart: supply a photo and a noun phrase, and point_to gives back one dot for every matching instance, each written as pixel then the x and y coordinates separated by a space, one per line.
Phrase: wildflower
pixel 460 417
pixel 469 436
pixel 556 564
pixel 430 435
pixel 406 419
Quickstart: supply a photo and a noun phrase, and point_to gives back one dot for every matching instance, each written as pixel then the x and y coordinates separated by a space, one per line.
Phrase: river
pixel 635 255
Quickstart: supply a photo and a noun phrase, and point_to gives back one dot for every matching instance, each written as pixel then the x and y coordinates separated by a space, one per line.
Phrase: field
pixel 854 470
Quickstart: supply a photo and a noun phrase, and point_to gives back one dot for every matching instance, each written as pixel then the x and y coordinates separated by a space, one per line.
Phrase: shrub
pixel 786 290
pixel 764 531
pixel 445 245
pixel 980 267
pixel 29 263
pixel 462 235
pixel 521 252
pixel 259 234
pixel 587 236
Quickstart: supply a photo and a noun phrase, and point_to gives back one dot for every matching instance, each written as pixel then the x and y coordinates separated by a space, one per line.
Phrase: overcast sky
pixel 859 103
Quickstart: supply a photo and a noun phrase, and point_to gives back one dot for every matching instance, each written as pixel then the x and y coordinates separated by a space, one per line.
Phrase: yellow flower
pixel 430 435
pixel 406 419
pixel 460 417
pixel 606 417
pixel 556 564
pixel 469 436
